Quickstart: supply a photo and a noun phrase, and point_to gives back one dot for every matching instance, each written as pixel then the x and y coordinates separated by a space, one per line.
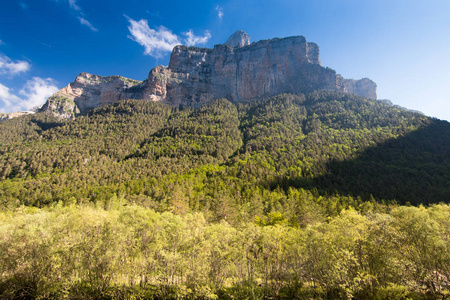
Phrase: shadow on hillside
pixel 46 125
pixel 414 168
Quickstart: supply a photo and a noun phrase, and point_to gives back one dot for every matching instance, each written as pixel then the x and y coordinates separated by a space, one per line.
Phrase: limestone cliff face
pixel 363 87
pixel 238 39
pixel 90 91
pixel 236 70
pixel 8 116
pixel 246 73
pixel 61 105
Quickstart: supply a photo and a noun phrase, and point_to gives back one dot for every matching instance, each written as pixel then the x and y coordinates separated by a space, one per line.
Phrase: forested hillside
pixel 224 156
pixel 296 196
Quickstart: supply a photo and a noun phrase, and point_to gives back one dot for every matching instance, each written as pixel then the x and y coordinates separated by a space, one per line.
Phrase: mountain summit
pixel 236 70
pixel 238 39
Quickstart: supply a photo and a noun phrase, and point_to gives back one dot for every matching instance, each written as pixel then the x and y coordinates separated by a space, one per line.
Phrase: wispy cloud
pixel 1 42
pixel 87 23
pixel 219 11
pixel 33 94
pixel 43 44
pixel 9 67
pixel 155 42
pixel 79 14
pixel 74 5
pixel 195 40
pixel 7 99
pixel 36 91
pixel 161 40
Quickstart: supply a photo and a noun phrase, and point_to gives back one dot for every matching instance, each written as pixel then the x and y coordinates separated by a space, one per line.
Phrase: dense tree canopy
pixel 292 196
pixel 224 156
pixel 134 252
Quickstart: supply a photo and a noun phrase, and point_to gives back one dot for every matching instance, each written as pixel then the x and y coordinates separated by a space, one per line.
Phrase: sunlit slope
pixel 224 156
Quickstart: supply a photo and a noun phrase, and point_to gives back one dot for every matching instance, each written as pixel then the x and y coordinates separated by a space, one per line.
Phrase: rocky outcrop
pixel 363 87
pixel 238 39
pixel 246 73
pixel 8 116
pixel 243 73
pixel 90 91
pixel 61 105
pixel 237 70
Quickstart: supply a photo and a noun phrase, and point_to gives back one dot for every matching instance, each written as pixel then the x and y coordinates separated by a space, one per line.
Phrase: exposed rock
pixel 238 39
pixel 61 105
pixel 252 72
pixel 363 87
pixel 7 116
pixel 90 91
pixel 237 70
pixel 247 73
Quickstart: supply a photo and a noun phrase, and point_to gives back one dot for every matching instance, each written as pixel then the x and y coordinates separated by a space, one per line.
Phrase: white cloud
pixel 194 40
pixel 161 40
pixel 34 93
pixel 8 100
pixel 87 23
pixel 219 11
pixel 9 67
pixel 1 42
pixel 79 13
pixel 155 42
pixel 74 5
pixel 37 90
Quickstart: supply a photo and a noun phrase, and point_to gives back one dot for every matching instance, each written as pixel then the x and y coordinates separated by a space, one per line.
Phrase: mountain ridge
pixel 236 70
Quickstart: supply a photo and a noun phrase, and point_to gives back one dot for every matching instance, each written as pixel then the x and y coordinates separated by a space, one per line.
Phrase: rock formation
pixel 237 70
pixel 90 91
pixel 246 73
pixel 363 87
pixel 7 116
pixel 238 39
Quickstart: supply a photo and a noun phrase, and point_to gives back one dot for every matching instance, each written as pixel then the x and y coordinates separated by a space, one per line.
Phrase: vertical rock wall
pixel 237 70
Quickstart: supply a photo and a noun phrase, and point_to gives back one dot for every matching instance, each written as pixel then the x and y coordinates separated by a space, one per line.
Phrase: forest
pixel 312 196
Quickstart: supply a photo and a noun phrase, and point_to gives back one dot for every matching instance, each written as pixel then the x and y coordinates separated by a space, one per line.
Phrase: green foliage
pixel 86 252
pixel 290 197
pixel 338 150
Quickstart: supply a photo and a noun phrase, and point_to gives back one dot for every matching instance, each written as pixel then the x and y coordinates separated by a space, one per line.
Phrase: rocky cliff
pixel 8 116
pixel 238 39
pixel 236 70
pixel 90 91
pixel 363 87
pixel 246 72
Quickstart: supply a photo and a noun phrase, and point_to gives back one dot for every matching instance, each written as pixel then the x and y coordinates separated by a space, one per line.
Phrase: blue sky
pixel 402 45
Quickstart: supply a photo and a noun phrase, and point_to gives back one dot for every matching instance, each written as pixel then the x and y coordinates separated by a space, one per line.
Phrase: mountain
pixel 250 196
pixel 7 116
pixel 90 91
pixel 289 197
pixel 237 70
pixel 223 155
